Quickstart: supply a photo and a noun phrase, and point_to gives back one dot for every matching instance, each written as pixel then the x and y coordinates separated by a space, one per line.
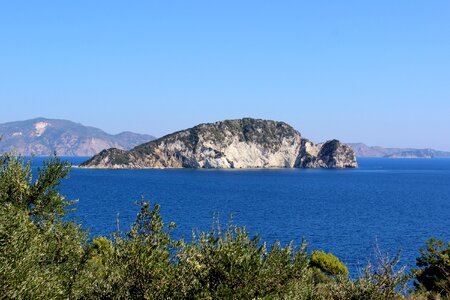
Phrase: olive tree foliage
pixel 40 253
pixel 39 198
pixel 382 278
pixel 135 265
pixel 433 272
pixel 231 264
pixel 146 263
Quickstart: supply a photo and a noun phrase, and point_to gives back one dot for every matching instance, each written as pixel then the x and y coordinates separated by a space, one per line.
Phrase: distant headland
pixel 362 150
pixel 42 137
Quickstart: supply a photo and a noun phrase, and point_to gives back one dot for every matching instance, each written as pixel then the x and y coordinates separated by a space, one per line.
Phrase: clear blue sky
pixel 371 71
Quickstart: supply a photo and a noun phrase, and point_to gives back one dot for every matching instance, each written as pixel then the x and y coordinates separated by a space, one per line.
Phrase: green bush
pixel 328 263
pixel 433 272
pixel 382 279
pixel 232 265
pixel 40 254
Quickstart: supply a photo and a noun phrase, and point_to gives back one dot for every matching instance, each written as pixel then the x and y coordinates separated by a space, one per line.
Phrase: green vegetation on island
pixel 231 144
pixel 44 255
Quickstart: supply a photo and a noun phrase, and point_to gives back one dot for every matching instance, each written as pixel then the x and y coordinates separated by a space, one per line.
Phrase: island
pixel 230 144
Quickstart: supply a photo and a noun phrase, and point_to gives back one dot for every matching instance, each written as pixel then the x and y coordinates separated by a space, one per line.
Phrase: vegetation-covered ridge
pixel 243 143
pixel 44 255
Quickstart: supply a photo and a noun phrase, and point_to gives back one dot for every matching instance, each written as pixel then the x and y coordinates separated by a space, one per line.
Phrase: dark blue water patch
pixel 395 203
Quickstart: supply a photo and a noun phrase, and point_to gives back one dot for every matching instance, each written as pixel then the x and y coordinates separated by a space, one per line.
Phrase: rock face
pixel 44 136
pixel 244 143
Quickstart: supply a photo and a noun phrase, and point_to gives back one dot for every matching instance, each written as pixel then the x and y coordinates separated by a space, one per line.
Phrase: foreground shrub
pixel 433 273
pixel 328 263
pixel 40 254
pixel 231 265
pixel 382 279
pixel 136 265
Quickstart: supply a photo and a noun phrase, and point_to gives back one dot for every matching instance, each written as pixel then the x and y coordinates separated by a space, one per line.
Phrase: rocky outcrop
pixel 332 154
pixel 244 143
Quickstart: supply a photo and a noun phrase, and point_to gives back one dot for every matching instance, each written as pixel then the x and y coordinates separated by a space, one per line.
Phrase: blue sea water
pixel 394 204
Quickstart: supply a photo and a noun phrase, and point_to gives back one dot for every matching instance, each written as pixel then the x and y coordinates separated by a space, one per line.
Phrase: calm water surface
pixel 395 203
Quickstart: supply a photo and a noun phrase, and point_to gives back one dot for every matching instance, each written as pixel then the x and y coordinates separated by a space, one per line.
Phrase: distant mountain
pixel 241 144
pixel 43 136
pixel 363 150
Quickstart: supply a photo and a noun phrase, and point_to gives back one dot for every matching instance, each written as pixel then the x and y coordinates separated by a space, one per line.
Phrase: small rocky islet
pixel 231 144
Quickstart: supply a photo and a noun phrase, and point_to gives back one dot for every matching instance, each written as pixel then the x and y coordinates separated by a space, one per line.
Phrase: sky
pixel 375 71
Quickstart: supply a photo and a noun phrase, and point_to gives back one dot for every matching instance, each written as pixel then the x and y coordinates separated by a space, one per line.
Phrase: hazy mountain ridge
pixel 362 150
pixel 42 136
pixel 243 143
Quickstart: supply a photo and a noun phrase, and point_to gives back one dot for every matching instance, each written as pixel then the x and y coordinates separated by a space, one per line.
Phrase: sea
pixel 386 206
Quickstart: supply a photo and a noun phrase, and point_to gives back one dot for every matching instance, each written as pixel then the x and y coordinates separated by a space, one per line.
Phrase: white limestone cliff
pixel 241 144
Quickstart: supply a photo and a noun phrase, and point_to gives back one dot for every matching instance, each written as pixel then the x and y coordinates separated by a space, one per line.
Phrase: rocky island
pixel 243 143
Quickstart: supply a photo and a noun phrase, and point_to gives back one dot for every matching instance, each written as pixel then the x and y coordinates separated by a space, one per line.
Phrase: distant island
pixel 243 143
pixel 362 150
pixel 42 136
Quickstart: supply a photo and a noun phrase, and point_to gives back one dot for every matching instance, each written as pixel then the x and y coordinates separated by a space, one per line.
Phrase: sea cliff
pixel 243 143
